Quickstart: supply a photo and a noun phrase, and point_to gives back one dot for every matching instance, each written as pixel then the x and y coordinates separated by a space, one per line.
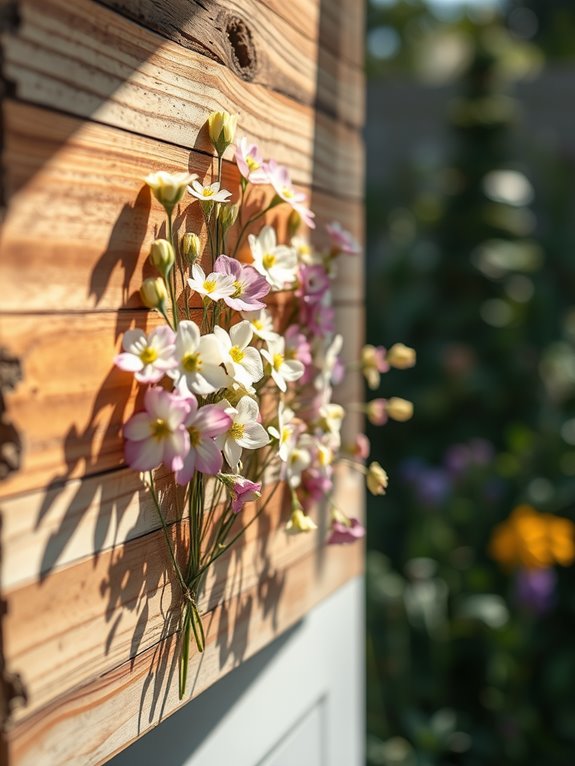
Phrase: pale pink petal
pixel 212 420
pixel 138 427
pixel 184 475
pixel 209 458
pixel 143 455
pixel 176 446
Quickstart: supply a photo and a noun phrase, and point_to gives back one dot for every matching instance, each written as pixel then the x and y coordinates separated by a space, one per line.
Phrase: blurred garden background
pixel 471 260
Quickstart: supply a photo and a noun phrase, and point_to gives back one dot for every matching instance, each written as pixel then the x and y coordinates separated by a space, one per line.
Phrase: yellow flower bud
pixel 222 130
pixel 299 522
pixel 191 247
pixel 169 188
pixel 162 256
pixel 399 409
pixel 377 479
pixel 228 215
pixel 294 222
pixel 401 357
pixel 153 293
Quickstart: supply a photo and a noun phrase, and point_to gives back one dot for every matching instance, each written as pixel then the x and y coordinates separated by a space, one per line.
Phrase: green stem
pixel 251 220
pixel 167 536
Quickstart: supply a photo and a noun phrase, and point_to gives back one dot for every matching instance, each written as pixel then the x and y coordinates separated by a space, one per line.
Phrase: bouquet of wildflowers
pixel 233 401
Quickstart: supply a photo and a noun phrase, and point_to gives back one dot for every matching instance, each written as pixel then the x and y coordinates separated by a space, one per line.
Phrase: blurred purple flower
pixel 457 459
pixel 534 589
pixel 481 451
pixel 432 486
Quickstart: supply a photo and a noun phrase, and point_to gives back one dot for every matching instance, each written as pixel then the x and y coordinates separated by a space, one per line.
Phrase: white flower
pixel 277 263
pixel 306 254
pixel 299 459
pixel 215 286
pixel 199 359
pixel 242 362
pixel 331 417
pixel 327 361
pixel 283 370
pixel 262 324
pixel 244 433
pixel 285 433
pixel 208 193
pixel 149 357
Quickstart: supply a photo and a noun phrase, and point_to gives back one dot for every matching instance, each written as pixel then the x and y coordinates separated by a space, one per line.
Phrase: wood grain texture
pixel 260 43
pixel 80 221
pixel 97 102
pixel 87 398
pixel 83 620
pixel 92 722
pixel 84 59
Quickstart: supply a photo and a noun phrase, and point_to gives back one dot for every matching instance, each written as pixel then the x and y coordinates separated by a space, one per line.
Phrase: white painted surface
pixel 298 702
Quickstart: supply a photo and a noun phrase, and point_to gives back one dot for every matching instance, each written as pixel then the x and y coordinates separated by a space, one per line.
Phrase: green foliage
pixel 472 265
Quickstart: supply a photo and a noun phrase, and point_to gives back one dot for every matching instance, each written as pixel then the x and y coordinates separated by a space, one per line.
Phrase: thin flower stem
pixel 166 535
pixel 172 286
pixel 249 222
pixel 239 534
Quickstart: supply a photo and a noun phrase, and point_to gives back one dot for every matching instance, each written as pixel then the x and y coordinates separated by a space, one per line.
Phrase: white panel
pixel 304 744
pixel 304 689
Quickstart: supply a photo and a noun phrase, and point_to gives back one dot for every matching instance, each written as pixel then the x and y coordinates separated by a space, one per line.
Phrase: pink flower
pixel 376 412
pixel 157 435
pixel 203 424
pixel 342 241
pixel 313 283
pixel 148 357
pixel 249 285
pixel 315 485
pixel 250 162
pixel 318 318
pixel 243 490
pixel 280 179
pixel 342 533
pixel 361 448
pixel 297 345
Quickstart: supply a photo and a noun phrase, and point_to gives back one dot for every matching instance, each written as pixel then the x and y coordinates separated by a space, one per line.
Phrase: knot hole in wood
pixel 244 57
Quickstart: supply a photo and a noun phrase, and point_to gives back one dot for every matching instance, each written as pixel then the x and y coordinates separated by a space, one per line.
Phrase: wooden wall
pixel 96 95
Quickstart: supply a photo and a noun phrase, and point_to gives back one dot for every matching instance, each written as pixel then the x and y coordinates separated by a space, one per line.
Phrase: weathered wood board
pixel 100 93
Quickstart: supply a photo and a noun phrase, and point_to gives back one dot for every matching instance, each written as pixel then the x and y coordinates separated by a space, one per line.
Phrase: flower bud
pixel 377 479
pixel 399 409
pixel 376 411
pixel 190 247
pixel 162 256
pixel 401 357
pixel 228 215
pixel 222 130
pixel 169 188
pixel 293 224
pixel 299 522
pixel 153 293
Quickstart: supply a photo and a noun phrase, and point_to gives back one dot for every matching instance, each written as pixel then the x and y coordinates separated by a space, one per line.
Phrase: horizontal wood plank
pixel 86 619
pixel 309 62
pixel 72 402
pixel 81 220
pixel 91 723
pixel 84 59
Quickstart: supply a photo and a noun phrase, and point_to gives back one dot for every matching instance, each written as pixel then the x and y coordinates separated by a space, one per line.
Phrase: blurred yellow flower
pixel 533 540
